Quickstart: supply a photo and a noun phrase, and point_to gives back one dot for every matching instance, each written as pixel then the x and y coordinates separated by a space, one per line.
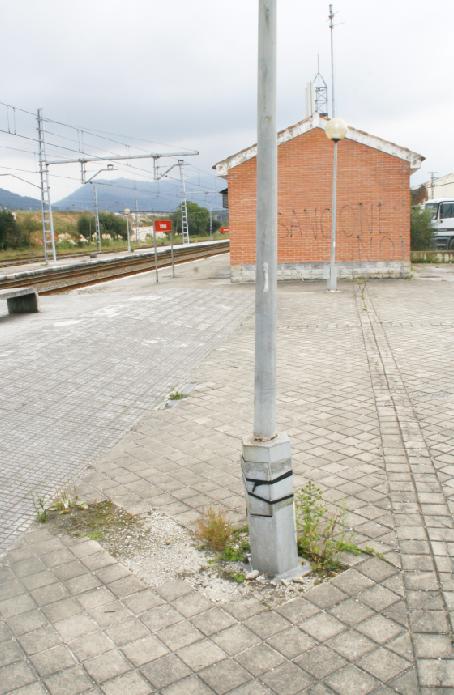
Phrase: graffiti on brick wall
pixel 364 223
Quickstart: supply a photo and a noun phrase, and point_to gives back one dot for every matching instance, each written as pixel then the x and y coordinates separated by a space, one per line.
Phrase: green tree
pixel 421 229
pixel 198 219
pixel 86 226
pixel 10 236
pixel 115 225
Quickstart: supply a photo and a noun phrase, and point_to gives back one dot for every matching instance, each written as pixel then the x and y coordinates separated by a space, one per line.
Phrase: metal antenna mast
pixel 331 27
pixel 184 206
pixel 46 207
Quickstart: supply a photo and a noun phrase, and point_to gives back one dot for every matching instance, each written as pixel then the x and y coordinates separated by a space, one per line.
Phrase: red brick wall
pixel 373 203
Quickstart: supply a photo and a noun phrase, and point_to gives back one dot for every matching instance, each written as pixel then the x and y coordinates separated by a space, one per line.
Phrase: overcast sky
pixel 184 72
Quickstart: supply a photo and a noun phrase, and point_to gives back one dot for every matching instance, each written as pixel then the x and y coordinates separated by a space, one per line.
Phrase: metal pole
pixel 266 456
pixel 332 279
pixel 331 26
pixel 266 228
pixel 128 234
pixel 137 222
pixel 211 222
pixel 98 227
pixel 155 254
pixel 171 253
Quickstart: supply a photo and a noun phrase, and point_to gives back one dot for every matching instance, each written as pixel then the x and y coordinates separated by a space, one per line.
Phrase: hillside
pixel 117 194
pixel 13 201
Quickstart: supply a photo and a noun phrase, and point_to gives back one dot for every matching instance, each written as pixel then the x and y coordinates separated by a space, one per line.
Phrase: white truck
pixel 442 210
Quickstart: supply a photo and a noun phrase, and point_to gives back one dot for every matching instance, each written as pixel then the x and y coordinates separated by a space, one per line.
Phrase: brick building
pixel 373 204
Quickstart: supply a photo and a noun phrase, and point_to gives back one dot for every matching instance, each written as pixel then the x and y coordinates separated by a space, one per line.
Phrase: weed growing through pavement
pixel 40 509
pixel 66 501
pixel 231 545
pixel 177 396
pixel 322 536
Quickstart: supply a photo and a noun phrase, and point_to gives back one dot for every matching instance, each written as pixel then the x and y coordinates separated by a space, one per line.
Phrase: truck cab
pixel 442 210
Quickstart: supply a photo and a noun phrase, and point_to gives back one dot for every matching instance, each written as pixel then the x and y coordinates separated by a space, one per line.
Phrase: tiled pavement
pixel 366 394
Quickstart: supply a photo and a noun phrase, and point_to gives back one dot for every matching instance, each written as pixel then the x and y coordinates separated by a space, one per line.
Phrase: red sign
pixel 163 226
pixel 224 230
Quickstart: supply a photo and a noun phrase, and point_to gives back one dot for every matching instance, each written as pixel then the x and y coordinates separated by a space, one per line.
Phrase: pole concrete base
pixel 268 479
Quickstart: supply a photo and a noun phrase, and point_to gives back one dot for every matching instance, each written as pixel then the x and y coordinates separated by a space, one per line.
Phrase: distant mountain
pixel 164 196
pixel 13 201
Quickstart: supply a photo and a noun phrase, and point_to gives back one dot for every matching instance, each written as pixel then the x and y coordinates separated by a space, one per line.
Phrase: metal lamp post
pixel 127 212
pixel 266 457
pixel 335 129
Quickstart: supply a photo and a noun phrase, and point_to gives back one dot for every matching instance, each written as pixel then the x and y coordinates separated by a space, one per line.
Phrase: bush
pixel 422 232
pixel 214 530
pixel 11 234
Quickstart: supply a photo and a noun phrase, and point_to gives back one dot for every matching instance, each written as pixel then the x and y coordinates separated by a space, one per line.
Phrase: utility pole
pixel 184 206
pixel 266 456
pixel 98 227
pixel 46 207
pixel 331 27
pixel 137 222
pixel 210 210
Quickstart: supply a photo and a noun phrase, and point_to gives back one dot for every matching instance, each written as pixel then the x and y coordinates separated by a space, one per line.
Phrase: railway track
pixel 53 279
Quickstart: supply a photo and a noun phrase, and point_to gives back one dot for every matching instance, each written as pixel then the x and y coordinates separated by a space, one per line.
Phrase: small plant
pixel 40 509
pixel 214 530
pixel 234 576
pixel 323 536
pixel 66 501
pixel 176 396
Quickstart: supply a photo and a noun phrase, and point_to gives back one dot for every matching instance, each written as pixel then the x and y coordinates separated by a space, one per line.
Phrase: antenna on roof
pixel 331 27
pixel 317 94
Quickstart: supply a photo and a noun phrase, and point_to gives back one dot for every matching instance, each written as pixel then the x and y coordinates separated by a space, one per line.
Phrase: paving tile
pixel 52 660
pixel 259 658
pixel 73 627
pixel 351 645
pixel 191 604
pixel 91 645
pixel 378 598
pixel 161 617
pixel 212 621
pixel 27 622
pixel 173 590
pixel 127 631
pixel 224 676
pixel 9 652
pixel 431 646
pixel 351 679
pixel 351 612
pixel 132 683
pixel 436 673
pixel 37 640
pixel 165 670
pixel 352 582
pixel 179 635
pixel 107 666
pixel 383 664
pixel 320 661
pixel 325 595
pixel 144 650
pixel 322 626
pixel 14 676
pixel 192 685
pixel 235 638
pixel 201 654
pixel 71 681
pixel 291 642
pixel 142 601
pixel 266 624
pixel 287 679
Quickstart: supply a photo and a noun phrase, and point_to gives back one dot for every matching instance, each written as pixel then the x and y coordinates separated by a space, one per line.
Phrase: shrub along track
pixel 55 279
